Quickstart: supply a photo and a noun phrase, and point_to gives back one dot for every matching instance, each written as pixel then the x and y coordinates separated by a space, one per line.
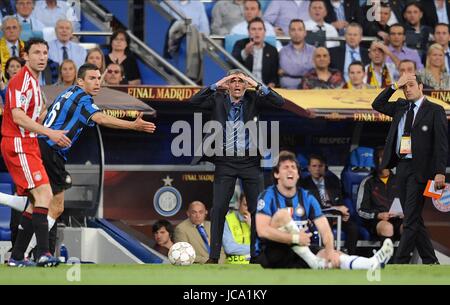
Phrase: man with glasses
pixel 10 44
pixel 24 9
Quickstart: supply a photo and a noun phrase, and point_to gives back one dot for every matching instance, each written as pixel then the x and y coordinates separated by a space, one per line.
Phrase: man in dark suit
pixel 343 56
pixel 259 57
pixel 327 190
pixel 341 13
pixel 417 145
pixel 430 11
pixel 235 156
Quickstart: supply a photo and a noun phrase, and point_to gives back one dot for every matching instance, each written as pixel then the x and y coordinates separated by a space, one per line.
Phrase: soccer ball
pixel 181 254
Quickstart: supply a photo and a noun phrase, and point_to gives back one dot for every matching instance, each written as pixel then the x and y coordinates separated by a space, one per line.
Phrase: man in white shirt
pixel 317 12
pixel 50 11
pixel 24 9
pixel 252 9
pixel 62 48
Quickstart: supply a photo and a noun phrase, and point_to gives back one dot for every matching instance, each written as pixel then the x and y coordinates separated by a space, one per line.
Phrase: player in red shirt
pixel 20 149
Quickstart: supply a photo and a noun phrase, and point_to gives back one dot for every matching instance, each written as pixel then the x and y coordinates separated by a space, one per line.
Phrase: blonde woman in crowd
pixel 434 75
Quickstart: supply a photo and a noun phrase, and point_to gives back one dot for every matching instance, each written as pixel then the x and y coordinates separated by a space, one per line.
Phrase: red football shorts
pixel 23 160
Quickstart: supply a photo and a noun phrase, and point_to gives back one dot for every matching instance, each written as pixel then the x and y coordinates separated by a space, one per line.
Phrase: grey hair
pixel 10 17
pixel 236 71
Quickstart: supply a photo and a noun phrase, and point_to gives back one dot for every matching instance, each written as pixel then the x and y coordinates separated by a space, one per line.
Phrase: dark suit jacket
pixel 429 12
pixel 270 60
pixel 428 135
pixel 352 11
pixel 332 186
pixel 218 102
pixel 338 57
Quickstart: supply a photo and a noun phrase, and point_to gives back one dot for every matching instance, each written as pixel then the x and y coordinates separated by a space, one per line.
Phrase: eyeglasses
pixel 114 71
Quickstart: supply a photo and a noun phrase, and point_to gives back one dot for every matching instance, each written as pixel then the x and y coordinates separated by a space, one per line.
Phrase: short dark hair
pixel 415 3
pixel 441 24
pixel 284 155
pixel 32 41
pixel 163 223
pixel 256 19
pixel 321 158
pixel 86 67
pixel 9 61
pixel 259 4
pixel 399 25
pixel 356 63
pixel 297 20
pixel 408 60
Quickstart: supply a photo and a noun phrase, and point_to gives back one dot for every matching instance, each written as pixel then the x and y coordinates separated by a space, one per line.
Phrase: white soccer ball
pixel 181 254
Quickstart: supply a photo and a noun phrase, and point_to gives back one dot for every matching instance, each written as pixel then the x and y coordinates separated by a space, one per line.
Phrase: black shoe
pixel 212 261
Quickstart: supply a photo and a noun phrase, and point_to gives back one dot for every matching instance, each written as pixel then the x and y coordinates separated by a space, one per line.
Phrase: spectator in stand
pixel 120 54
pixel 379 72
pixel 356 75
pixel 442 37
pixel 321 76
pixel 114 75
pixel 376 194
pixel 417 34
pixel 12 67
pixel 67 73
pixel 296 58
pixel 407 66
pixel 63 48
pixel 434 75
pixel 317 13
pixel 24 9
pixel 343 56
pixel 252 9
pixel 96 57
pixel 396 6
pixel 10 44
pixel 50 75
pixel 50 11
pixel 192 9
pixel 326 188
pixel 397 46
pixel 379 28
pixel 280 13
pixel 163 234
pixel 343 12
pixel 259 57
pixel 436 11
pixel 225 15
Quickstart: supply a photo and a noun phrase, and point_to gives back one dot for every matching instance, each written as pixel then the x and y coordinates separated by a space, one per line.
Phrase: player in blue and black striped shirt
pixel 283 212
pixel 73 110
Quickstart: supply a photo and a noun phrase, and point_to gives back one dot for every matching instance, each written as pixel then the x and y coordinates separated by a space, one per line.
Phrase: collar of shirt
pixel 349 48
pixel 320 181
pixel 10 44
pixel 337 4
pixel 58 4
pixel 419 102
pixel 60 44
pixel 21 19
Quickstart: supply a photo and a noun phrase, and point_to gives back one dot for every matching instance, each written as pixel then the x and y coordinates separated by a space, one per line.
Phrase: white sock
pixel 304 252
pixel 354 262
pixel 33 242
pixel 16 202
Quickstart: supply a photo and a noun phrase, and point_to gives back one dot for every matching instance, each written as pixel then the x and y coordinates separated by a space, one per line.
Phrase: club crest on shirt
pixel 37 176
pixel 261 204
pixel 299 211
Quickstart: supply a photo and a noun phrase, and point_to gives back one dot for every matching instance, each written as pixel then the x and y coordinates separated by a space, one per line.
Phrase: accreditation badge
pixel 405 145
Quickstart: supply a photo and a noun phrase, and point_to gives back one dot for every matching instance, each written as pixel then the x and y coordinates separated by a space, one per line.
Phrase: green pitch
pixel 218 274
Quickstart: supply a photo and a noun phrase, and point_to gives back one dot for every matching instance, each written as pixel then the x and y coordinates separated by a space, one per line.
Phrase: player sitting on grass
pixel 282 209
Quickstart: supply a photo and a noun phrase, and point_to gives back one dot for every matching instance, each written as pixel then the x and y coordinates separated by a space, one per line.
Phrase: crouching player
pixel 282 208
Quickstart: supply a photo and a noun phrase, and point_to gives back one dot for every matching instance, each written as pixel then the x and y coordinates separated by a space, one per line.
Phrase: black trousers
pixel 414 233
pixel 227 171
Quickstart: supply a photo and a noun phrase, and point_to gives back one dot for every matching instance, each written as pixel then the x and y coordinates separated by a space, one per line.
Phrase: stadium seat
pixel 230 40
pixel 359 166
pixel 6 186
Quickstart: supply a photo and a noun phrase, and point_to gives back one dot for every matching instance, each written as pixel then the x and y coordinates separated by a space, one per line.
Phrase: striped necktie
pixel 233 134
pixel 202 232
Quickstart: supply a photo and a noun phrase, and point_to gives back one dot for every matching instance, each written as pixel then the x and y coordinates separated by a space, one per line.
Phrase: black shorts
pixel 278 255
pixel 371 225
pixel 54 164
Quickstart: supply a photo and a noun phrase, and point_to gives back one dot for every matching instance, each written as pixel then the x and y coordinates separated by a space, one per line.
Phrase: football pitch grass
pixel 218 275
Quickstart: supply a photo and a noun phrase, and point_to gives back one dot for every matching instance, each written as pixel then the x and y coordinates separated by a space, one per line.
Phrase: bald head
pixel 196 212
